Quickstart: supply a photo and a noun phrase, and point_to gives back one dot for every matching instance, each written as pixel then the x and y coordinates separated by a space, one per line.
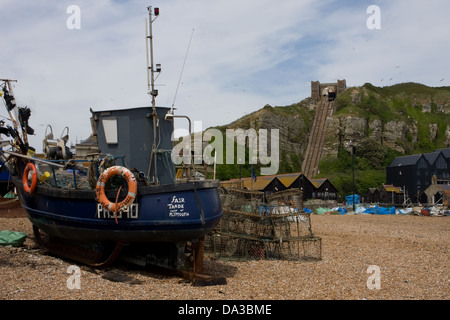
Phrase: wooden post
pixel 199 252
pixel 197 276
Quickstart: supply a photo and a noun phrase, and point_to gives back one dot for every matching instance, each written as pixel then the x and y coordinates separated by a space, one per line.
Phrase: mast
pixel 150 68
pixel 151 90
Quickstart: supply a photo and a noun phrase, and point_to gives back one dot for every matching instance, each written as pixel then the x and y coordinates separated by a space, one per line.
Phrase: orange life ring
pixel 29 168
pixel 100 188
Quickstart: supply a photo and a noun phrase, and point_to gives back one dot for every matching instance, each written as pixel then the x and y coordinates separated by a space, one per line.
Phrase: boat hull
pixel 170 213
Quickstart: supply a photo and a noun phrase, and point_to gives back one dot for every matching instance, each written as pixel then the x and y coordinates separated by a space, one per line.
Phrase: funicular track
pixel 316 138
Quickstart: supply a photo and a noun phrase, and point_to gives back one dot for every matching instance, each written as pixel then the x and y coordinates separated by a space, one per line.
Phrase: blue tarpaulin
pixel 349 199
pixel 380 210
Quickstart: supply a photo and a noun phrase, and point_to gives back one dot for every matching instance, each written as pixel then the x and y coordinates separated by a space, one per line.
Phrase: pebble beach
pixel 364 257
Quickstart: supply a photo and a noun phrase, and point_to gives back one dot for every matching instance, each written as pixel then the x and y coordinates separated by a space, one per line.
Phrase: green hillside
pixel 412 103
pixel 423 111
pixel 404 102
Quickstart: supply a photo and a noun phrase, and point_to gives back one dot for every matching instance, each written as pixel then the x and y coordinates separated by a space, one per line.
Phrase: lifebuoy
pixel 29 168
pixel 100 188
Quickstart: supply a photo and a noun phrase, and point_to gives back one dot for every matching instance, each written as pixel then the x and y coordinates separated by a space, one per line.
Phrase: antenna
pixel 148 66
pixel 182 69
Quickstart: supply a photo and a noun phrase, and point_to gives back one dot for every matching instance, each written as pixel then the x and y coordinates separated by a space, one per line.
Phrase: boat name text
pixel 176 207
pixel 130 212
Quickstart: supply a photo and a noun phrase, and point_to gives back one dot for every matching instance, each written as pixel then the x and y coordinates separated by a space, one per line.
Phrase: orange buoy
pixel 100 188
pixel 29 168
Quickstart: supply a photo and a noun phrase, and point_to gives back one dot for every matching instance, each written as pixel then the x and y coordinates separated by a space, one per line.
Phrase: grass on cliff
pixel 402 102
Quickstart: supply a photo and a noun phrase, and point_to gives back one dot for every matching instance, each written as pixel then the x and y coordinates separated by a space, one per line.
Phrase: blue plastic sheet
pixel 380 210
pixel 349 199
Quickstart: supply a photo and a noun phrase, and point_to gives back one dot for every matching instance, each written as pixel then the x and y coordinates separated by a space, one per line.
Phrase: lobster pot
pixel 235 247
pixel 252 229
pixel 291 197
pixel 294 249
pixel 266 226
pixel 288 225
pixel 246 225
pixel 247 236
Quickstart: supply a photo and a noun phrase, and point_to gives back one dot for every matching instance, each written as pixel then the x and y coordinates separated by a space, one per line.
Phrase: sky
pixel 220 59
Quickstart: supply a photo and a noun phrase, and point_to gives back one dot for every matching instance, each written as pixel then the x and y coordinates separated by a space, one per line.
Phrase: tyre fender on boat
pixel 100 188
pixel 30 168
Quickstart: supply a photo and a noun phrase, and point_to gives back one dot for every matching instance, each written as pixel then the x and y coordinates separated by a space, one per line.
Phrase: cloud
pixel 243 54
pixel 408 47
pixel 62 72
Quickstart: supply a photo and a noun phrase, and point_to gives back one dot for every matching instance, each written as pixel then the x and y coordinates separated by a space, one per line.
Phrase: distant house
pixel 387 194
pixel 298 181
pixel 390 194
pixel 311 189
pixel 443 175
pixel 266 184
pixel 414 172
pixel 324 189
pixel 438 165
pixel 373 195
pixel 410 172
pixel 263 185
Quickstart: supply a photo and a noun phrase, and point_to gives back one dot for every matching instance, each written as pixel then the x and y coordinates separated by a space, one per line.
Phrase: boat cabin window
pixel 110 129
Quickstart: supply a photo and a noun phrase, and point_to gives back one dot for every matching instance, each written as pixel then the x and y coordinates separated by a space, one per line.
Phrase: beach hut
pixel 266 184
pixel 391 194
pixel 298 181
pixel 373 195
pixel 324 189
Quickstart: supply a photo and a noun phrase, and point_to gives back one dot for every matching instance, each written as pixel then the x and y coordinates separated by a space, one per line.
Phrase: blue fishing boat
pixel 120 199
pixel 5 181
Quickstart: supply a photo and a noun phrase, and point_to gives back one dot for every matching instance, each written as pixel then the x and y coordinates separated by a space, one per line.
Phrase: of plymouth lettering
pixel 176 207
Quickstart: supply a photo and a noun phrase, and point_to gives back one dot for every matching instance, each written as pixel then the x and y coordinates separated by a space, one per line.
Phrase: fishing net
pixel 67 179
pixel 77 176
pixel 255 229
